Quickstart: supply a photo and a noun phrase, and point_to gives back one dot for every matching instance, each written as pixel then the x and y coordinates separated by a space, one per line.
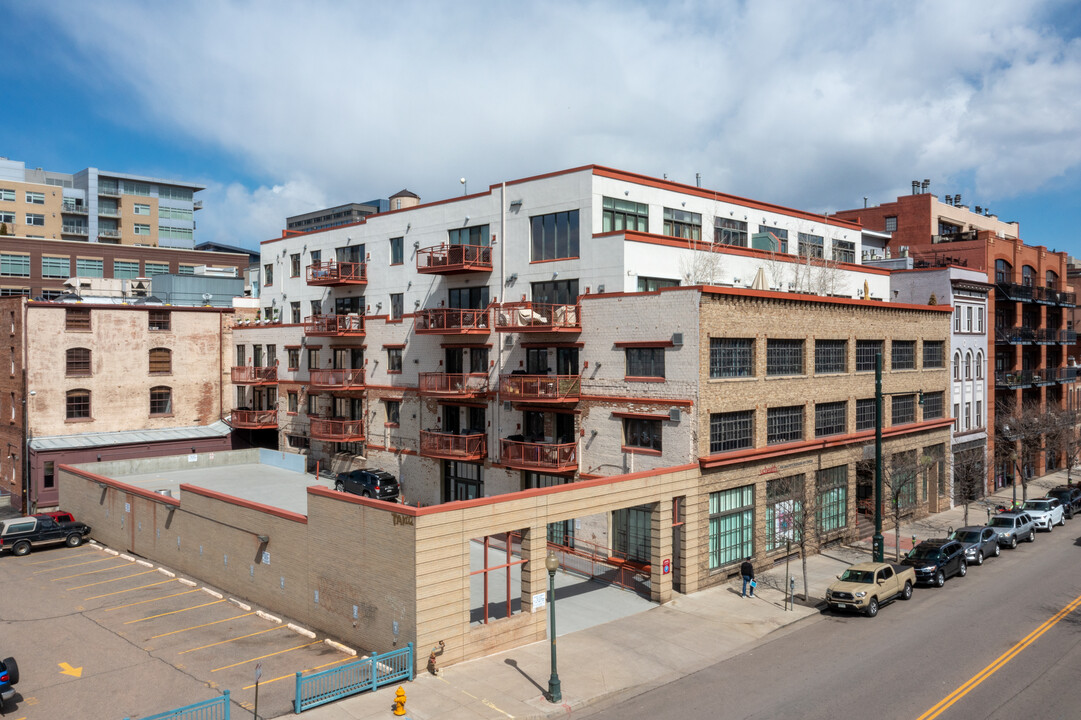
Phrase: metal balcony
pixel 451 446
pixel 1047 376
pixel 74 229
pixel 458 385
pixel 351 325
pixel 249 375
pixel 1067 337
pixel 1067 299
pixel 538 317
pixel 336 430
pixel 452 321
pixel 1014 380
pixel 334 274
pixel 1015 335
pixel 1068 375
pixel 108 233
pixel 454 259
pixel 554 457
pixel 253 419
pixel 336 379
pixel 1046 336
pixel 540 388
pixel 75 210
pixel 1014 291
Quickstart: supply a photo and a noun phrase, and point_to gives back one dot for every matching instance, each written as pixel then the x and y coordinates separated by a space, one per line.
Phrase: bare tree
pixel 703 266
pixel 1019 436
pixel 969 476
pixel 1061 437
pixel 790 516
pixel 900 487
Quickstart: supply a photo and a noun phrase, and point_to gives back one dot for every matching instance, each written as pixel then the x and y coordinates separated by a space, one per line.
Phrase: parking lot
pixel 102 635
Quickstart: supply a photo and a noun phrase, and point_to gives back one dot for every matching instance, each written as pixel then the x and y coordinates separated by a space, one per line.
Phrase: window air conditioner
pixel 673 414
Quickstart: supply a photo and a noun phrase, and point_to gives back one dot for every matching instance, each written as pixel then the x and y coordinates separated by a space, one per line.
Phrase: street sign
pixel 258 671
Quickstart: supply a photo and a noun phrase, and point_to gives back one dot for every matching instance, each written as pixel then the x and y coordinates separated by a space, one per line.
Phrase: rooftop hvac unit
pixel 207 271
pixel 673 414
pixel 140 287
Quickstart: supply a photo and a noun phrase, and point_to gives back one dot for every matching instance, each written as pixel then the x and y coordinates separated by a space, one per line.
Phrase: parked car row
pixel 864 587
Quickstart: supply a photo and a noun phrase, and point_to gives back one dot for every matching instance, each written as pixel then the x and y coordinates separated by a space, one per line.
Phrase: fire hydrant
pixel 399 701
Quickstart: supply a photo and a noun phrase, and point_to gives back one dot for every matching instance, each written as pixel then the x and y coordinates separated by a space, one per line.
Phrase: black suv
pixel 936 560
pixel 19 535
pixel 1070 497
pixel 378 484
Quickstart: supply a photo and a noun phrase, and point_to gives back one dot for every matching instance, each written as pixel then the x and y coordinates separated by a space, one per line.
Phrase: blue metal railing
pixel 215 709
pixel 356 677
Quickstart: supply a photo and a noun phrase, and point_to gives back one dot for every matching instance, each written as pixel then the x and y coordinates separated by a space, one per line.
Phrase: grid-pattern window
pixel 682 224
pixel 619 215
pixel 645 362
pixel 933 405
pixel 153 268
pixel 76 319
pixel 7 218
pixel 865 414
pixel 903 355
pixel 652 284
pixel 811 245
pixel 784 357
pixel 729 231
pixel 77 362
pixel 784 510
pixel 35 219
pixel 731 526
pixel 125 268
pixel 14 292
pixel 784 424
pixel 141 229
pixel 844 251
pixel 555 235
pixel 14 265
pixel 830 418
pixel 934 354
pixel 903 478
pixel 159 320
pixel 7 195
pixel 190 270
pixel 779 233
pixel 294 312
pixel 268 274
pixel 165 232
pixel 865 354
pixel 141 209
pixel 731 431
pixel 397 250
pixel 313 405
pixel 831 356
pixel 161 400
pixel 891 223
pixel 394 360
pixel 731 357
pixel 35 198
pixel 642 433
pixel 77 404
pixel 831 488
pixel 90 267
pixel 903 408
pixel 161 361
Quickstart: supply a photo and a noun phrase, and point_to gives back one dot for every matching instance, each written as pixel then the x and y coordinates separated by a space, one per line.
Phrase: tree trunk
pixel 803 562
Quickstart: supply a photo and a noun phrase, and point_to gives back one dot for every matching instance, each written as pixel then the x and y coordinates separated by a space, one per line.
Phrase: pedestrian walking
pixel 747 571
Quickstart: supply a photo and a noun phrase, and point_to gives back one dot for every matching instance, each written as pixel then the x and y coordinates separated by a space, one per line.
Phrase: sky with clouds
pixel 284 107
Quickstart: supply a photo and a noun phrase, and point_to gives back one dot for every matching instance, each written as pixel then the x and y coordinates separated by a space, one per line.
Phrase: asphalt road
pixel 1003 642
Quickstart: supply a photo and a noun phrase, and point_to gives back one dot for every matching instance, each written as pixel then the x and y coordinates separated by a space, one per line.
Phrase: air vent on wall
pixel 677 339
pixel 673 414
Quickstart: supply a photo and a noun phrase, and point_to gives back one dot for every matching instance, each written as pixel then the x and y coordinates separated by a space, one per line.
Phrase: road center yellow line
pixel 223 642
pixel 103 582
pixel 143 602
pixel 173 612
pixel 280 652
pixel 999 662
pixel 121 592
pixel 65 567
pixel 196 627
pixel 123 566
pixel 293 675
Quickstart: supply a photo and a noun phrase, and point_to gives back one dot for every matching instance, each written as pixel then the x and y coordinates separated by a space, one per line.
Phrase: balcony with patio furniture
pixel 336 379
pixel 335 274
pixel 457 385
pixel 1015 335
pixel 537 317
pixel 452 321
pixel 252 419
pixel 250 375
pixel 516 452
pixel 351 325
pixel 471 446
pixel 1014 379
pixel 454 259
pixel 517 387
pixel 336 430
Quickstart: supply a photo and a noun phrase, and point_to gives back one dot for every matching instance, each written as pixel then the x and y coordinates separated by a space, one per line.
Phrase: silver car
pixel 978 541
pixel 1046 512
pixel 1013 527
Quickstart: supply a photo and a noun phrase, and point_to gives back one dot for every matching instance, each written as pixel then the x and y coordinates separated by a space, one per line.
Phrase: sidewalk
pixel 635 654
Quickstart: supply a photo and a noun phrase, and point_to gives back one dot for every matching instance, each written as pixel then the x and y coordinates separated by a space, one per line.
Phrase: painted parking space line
pixel 292 676
pixel 143 602
pixel 65 556
pixel 280 652
pixel 121 592
pixel 104 582
pixel 65 567
pixel 121 566
pixel 223 642
pixel 196 627
pixel 173 612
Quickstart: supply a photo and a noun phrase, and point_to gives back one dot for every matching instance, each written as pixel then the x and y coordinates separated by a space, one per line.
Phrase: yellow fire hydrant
pixel 399 701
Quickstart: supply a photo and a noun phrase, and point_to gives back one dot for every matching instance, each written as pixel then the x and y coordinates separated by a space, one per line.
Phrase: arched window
pixel 1028 276
pixel 979 366
pixel 77 404
pixel 161 400
pixel 161 361
pixel 77 362
pixel 968 366
pixel 957 366
pixel 1003 272
pixel 1052 279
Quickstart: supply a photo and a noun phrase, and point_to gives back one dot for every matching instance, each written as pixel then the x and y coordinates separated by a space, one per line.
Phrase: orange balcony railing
pixel 331 273
pixel 559 457
pixel 452 321
pixel 453 447
pixel 453 384
pixel 337 430
pixel 451 259
pixel 336 379
pixel 335 325
pixel 540 388
pixel 253 419
pixel 249 375
pixel 538 317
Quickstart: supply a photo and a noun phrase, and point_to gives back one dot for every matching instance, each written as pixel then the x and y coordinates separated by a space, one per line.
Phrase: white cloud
pixel 808 104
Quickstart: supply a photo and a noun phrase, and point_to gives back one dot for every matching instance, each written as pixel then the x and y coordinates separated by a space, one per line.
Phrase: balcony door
pixel 462 481
pixel 352 253
pixel 453 361
pixel 471 298
pixel 567 361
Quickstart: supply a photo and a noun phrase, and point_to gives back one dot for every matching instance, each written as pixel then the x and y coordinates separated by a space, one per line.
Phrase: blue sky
pixel 283 107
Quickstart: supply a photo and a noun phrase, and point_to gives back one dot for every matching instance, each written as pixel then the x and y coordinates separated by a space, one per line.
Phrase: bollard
pixel 399 701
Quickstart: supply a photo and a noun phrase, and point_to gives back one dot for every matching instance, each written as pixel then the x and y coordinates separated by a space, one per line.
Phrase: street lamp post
pixel 552 564
pixel 878 542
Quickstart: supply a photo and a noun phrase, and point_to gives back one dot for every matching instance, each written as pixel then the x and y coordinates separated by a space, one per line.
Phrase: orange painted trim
pixel 742 456
pixel 800 297
pixel 394 346
pixel 639 416
pixel 622 399
pixel 259 507
pixel 538 345
pixel 644 343
pixel 122 487
pixel 640 451
pixel 644 378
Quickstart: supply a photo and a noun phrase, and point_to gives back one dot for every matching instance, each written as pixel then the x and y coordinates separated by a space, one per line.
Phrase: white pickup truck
pixel 865 586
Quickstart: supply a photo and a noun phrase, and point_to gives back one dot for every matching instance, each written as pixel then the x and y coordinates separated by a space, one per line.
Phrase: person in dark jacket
pixel 747 571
